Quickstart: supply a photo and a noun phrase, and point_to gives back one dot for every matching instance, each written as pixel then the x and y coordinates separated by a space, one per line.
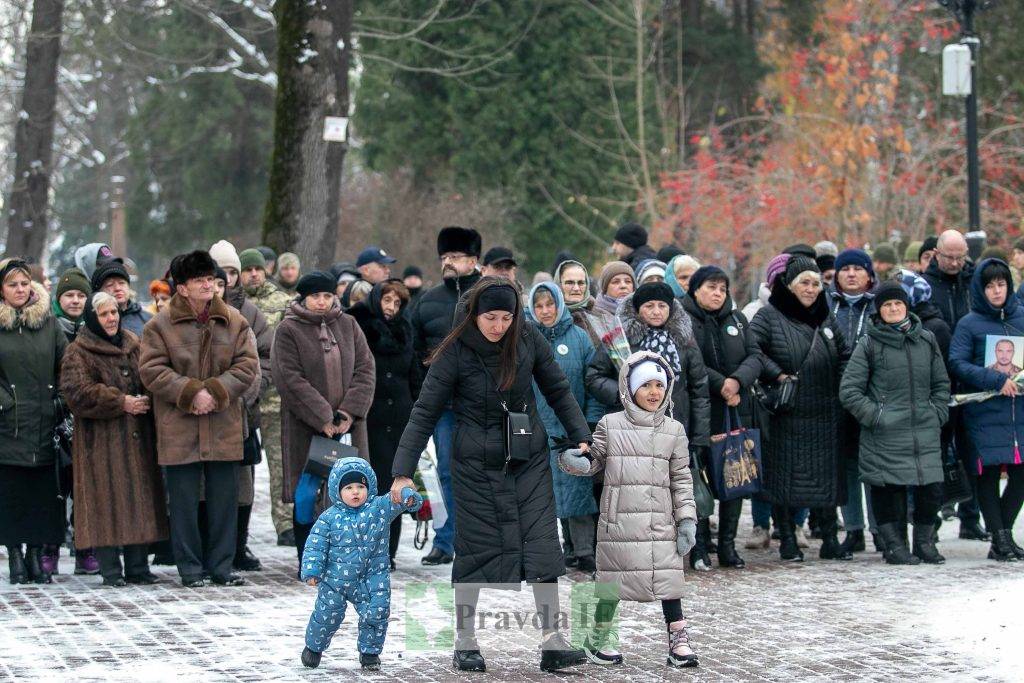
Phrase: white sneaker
pixel 801 538
pixel 759 538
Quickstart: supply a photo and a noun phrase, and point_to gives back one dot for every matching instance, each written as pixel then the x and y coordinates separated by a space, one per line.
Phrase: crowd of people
pixel 570 419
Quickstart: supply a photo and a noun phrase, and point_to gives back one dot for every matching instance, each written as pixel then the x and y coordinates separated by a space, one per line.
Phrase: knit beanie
pixel 885 253
pixel 705 273
pixel 776 267
pixel 826 262
pixel 225 255
pixel 610 270
pixel 798 265
pixel 644 373
pixel 826 248
pixel 652 291
pixel 73 279
pixel 352 477
pixel 412 271
pixel 888 291
pixel 108 269
pixel 268 253
pixel 917 288
pixel 288 259
pixel 649 267
pixel 632 235
pixel 855 257
pixel 252 258
pixel 800 249
pixel 912 252
pixel 931 243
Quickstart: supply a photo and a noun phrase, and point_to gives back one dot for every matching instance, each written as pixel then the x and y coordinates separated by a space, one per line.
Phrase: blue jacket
pixel 350 545
pixel 573 350
pixel 852 319
pixel 995 426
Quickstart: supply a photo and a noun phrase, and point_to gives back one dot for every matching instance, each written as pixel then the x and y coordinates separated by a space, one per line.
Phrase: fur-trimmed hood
pixel 32 315
pixel 679 326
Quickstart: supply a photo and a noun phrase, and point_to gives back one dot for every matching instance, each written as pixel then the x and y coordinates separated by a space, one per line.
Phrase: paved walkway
pixel 859 620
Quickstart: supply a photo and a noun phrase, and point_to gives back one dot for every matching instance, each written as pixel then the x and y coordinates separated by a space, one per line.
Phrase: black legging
pixel 672 610
pixel 890 503
pixel 1000 512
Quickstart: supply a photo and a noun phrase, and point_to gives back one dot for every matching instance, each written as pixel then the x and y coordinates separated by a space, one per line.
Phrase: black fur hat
pixel 197 263
pixel 454 238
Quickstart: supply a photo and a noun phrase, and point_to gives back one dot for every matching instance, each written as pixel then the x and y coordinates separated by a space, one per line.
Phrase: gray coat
pixel 897 388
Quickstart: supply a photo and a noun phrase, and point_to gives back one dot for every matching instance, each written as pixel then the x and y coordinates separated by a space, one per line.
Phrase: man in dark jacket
pixel 630 245
pixel 432 320
pixel 949 275
pixel 111 276
pixel 850 301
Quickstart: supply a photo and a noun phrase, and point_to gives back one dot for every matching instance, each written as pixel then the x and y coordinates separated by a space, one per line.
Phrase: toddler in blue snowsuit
pixel 346 555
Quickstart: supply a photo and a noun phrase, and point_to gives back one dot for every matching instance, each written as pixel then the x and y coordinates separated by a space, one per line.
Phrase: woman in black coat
pixel 653 320
pixel 721 333
pixel 505 530
pixel 797 337
pixel 388 333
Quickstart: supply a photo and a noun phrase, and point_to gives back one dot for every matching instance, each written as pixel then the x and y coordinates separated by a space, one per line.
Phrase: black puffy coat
pixel 433 318
pixel 951 294
pixel 505 525
pixel 801 460
pixel 690 399
pixel 399 377
pixel 722 337
pixel 641 253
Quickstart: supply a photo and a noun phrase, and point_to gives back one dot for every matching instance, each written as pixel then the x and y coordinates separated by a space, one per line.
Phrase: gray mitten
pixel 573 461
pixel 686 536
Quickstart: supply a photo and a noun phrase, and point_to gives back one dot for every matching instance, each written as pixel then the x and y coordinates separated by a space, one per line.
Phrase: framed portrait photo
pixel 1004 354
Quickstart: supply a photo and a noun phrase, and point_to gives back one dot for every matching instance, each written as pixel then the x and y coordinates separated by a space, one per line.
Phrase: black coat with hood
pixel 951 294
pixel 690 396
pixel 722 337
pixel 506 530
pixel 433 318
pixel 399 378
pixel 801 460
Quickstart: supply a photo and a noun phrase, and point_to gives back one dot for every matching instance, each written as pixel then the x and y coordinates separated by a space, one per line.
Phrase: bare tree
pixel 33 146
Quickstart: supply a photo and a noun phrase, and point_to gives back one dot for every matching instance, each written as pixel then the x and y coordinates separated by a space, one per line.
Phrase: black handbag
pixel 703 499
pixel 324 452
pixel 955 486
pixel 252 448
pixel 517 432
pixel 780 397
pixel 63 433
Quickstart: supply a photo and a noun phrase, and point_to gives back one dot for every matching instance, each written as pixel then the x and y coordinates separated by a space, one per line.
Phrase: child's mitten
pixel 574 461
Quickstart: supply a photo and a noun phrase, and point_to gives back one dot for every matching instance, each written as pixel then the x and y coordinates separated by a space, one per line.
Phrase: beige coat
pixel 180 357
pixel 648 490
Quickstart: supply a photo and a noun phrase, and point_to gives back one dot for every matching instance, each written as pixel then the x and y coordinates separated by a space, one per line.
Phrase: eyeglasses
pixel 575 283
pixel 954 259
pixel 452 257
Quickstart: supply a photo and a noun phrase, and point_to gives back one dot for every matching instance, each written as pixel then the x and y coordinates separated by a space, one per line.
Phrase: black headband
pixel 498 298
pixel 12 265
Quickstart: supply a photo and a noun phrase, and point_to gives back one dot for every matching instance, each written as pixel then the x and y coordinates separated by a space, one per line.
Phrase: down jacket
pixel 801 458
pixel 648 491
pixel 349 546
pixel 897 388
pixel 574 496
pixel 505 530
pixel 690 399
pixel 996 426
pixel 434 314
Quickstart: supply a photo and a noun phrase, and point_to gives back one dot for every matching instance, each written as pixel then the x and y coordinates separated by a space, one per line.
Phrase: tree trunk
pixel 314 47
pixel 33 136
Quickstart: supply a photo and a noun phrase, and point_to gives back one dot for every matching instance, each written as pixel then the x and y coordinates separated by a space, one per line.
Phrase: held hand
pixel 396 488
pixel 345 425
pixel 329 430
pixel 730 388
pixel 782 377
pixel 129 404
pixel 686 536
pixel 733 401
pixel 203 403
pixel 585 447
pixel 574 462
pixel 144 404
pixel 1009 389
pixel 312 581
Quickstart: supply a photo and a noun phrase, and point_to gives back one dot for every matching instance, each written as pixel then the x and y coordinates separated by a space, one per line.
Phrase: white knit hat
pixel 644 373
pixel 225 255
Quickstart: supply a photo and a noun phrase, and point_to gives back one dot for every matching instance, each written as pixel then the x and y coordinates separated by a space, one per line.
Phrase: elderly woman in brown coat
pixel 119 494
pixel 321 365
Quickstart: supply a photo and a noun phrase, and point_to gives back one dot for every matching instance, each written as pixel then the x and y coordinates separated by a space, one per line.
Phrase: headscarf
pixel 92 320
pixel 587 301
pixel 670 273
pixel 563 318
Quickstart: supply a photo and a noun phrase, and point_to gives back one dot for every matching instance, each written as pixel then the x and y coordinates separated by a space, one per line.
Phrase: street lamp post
pixel 964 11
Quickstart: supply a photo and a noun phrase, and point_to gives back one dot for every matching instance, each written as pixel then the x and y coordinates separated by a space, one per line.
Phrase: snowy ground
pixel 860 620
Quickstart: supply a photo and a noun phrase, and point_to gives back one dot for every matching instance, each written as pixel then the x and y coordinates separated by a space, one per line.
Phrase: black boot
pixel 924 544
pixel 16 562
pixel 699 559
pixel 34 565
pixel 310 659
pixel 854 542
pixel 244 559
pixel 556 654
pixel 728 521
pixel 789 551
pixel 831 549
pixel 896 551
pixel 369 662
pixel 301 532
pixel 469 660
pixel 1017 550
pixel 972 531
pixel 436 556
pixel 1001 549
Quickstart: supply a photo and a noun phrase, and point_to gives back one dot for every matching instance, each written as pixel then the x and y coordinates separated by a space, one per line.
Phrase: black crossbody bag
pixel 516 428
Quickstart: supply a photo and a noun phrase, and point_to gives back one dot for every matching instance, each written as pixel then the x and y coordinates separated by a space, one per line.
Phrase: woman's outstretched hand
pixel 396 488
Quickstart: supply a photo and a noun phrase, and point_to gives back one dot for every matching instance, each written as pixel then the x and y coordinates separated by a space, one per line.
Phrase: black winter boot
pixel 728 521
pixel 556 654
pixel 1001 549
pixel 310 659
pixel 924 544
pixel 369 662
pixel 831 549
pixel 1017 550
pixel 896 551
pixel 973 531
pixel 34 565
pixel 854 542
pixel 16 562
pixel 469 660
pixel 700 560
pixel 789 551
pixel 244 559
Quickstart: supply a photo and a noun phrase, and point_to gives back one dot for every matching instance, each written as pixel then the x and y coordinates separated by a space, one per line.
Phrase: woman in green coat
pixel 897 387
pixel 31 348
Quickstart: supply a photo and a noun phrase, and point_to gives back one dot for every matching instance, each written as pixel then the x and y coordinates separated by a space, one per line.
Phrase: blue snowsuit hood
pixel 343 467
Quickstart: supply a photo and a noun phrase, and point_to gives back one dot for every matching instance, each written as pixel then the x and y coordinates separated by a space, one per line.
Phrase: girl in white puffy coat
pixel 648 520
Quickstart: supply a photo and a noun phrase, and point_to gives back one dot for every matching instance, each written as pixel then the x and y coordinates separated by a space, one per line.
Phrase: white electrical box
pixel 335 128
pixel 956 70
